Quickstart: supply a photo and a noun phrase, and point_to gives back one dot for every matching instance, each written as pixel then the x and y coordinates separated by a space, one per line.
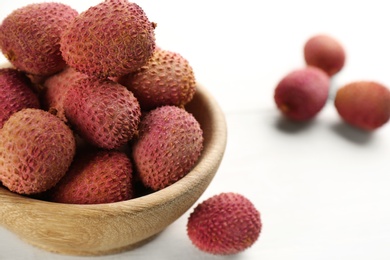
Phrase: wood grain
pixel 113 227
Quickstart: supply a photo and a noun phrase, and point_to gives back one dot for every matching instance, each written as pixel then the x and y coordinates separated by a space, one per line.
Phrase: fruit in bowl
pixel 88 120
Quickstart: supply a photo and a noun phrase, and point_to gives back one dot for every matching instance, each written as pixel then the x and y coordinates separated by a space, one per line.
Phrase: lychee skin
pixel 15 93
pixel 363 104
pixel 324 52
pixel 169 144
pixel 30 37
pixel 36 149
pixel 95 177
pixel 102 112
pixel 302 93
pixel 110 39
pixel 167 79
pixel 55 89
pixel 224 224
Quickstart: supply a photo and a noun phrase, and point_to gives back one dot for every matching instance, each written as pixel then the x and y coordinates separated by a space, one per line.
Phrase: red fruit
pixel 15 93
pixel 224 224
pixel 169 144
pixel 110 39
pixel 102 112
pixel 324 52
pixel 30 37
pixel 167 79
pixel 96 177
pixel 36 150
pixel 302 93
pixel 364 104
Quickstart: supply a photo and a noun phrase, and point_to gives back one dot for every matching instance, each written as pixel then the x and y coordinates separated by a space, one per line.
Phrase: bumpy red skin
pixel 110 39
pixel 30 37
pixel 326 53
pixel 169 145
pixel 102 112
pixel 167 79
pixel 302 93
pixel 224 224
pixel 15 93
pixel 97 176
pixel 364 104
pixel 55 88
pixel 36 150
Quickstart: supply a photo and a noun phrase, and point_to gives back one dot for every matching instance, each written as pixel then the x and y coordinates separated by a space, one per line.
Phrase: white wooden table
pixel 322 188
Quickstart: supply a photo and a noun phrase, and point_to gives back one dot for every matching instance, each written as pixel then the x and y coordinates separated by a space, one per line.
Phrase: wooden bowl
pixel 101 229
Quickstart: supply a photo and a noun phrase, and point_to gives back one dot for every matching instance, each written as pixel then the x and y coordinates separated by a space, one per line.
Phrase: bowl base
pixel 112 251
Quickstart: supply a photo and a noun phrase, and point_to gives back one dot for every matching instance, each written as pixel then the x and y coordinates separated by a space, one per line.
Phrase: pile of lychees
pixel 302 93
pixel 91 107
pixel 83 87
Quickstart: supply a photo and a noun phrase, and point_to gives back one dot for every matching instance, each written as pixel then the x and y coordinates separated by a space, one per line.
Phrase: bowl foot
pixel 92 252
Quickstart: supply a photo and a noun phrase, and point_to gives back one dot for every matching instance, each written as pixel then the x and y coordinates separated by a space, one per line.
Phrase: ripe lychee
pixel 224 224
pixel 324 52
pixel 15 93
pixel 110 39
pixel 167 79
pixel 30 37
pixel 36 149
pixel 302 93
pixel 97 176
pixel 55 89
pixel 169 144
pixel 363 104
pixel 104 113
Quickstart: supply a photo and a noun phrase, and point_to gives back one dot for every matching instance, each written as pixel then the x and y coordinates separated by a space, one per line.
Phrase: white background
pixel 322 188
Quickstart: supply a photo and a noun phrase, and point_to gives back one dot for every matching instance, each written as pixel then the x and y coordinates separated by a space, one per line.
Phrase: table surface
pixel 323 187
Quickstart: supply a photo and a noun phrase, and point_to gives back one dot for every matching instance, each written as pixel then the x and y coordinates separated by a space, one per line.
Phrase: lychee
pixel 324 52
pixel 167 79
pixel 302 93
pixel 110 39
pixel 102 112
pixel 98 176
pixel 363 104
pixel 16 93
pixel 224 224
pixel 36 149
pixel 169 144
pixel 30 37
pixel 55 89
